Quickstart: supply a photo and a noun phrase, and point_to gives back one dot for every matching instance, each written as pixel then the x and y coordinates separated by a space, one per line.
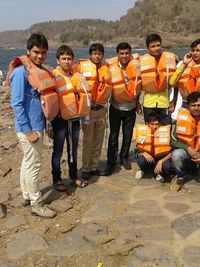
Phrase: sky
pixel 21 14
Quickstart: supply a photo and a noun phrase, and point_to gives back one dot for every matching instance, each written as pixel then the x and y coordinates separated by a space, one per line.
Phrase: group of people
pixel 77 94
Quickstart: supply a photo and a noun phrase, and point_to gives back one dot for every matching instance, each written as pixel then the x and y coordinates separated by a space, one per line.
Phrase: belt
pixel 96 107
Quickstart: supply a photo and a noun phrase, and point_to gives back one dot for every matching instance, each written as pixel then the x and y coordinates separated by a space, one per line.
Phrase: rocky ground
pixel 115 221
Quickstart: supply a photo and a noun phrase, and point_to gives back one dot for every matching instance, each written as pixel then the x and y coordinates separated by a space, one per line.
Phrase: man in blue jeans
pixel 185 141
pixel 66 129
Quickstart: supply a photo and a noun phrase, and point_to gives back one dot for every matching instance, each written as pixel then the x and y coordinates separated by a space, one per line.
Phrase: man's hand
pixel 32 136
pixel 187 58
pixel 158 168
pixel 193 153
pixel 50 133
pixel 197 160
pixel 171 107
pixel 139 108
pixel 85 127
pixel 148 157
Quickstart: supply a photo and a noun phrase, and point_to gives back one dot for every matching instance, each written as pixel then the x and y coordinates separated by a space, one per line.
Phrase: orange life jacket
pixel 125 91
pixel 187 130
pixel 74 96
pixel 156 144
pixel 155 77
pixel 98 81
pixel 42 80
pixel 190 80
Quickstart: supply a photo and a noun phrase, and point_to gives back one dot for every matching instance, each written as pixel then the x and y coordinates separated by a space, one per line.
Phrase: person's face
pixel 194 108
pixel 154 48
pixel 124 56
pixel 196 53
pixel 154 125
pixel 37 55
pixel 65 62
pixel 96 57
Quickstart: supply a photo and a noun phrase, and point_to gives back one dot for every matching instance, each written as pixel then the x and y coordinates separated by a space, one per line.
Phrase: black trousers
pixel 116 118
pixel 69 131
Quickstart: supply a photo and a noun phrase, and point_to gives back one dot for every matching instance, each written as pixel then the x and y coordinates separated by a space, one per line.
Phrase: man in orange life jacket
pixel 187 75
pixel 123 104
pixel 29 124
pixel 156 69
pixel 185 140
pixel 98 77
pixel 153 153
pixel 66 126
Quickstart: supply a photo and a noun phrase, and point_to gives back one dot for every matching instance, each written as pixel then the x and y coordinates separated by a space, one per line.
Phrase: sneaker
pixel 177 183
pixel 42 211
pixel 139 174
pixel 25 202
pixel 159 178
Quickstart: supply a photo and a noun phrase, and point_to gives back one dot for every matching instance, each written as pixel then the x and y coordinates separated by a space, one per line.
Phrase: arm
pixel 85 123
pixel 172 104
pixel 177 74
pixel 176 144
pixel 147 156
pixel 158 168
pixel 18 85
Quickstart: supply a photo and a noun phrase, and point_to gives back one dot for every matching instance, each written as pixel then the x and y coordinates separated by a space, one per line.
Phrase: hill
pixel 177 22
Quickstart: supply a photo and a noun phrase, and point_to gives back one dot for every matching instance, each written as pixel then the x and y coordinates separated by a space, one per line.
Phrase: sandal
pixel 79 183
pixel 59 186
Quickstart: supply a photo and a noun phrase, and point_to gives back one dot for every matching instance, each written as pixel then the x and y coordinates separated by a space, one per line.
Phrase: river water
pixel 8 54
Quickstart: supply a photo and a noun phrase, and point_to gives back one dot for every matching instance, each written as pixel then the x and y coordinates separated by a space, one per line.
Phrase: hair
pixel 96 47
pixel 193 97
pixel 37 39
pixel 122 46
pixel 153 37
pixel 195 43
pixel 152 117
pixel 64 50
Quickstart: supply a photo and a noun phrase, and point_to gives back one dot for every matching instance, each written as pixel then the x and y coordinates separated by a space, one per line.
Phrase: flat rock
pixel 142 208
pixel 177 196
pixel 151 255
pixel 187 224
pixel 90 192
pixel 6 264
pixel 102 211
pixel 176 207
pixel 191 256
pixel 95 233
pixel 10 144
pixel 131 223
pixel 4 196
pixel 24 243
pixel 4 168
pixel 61 205
pixel 15 220
pixel 3 210
pixel 16 202
pixel 70 244
pixel 147 193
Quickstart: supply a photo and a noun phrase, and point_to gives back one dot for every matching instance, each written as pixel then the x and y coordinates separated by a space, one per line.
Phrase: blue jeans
pixel 182 162
pixel 146 166
pixel 69 131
